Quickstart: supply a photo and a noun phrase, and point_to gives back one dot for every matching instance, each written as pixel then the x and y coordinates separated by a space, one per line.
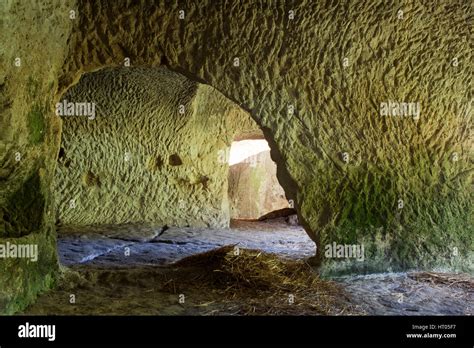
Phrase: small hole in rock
pixel 61 153
pixel 175 160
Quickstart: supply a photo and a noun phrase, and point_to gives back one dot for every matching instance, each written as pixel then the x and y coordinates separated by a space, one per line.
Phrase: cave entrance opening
pixel 254 190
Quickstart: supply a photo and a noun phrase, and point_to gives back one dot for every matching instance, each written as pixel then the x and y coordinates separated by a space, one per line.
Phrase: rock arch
pixel 314 82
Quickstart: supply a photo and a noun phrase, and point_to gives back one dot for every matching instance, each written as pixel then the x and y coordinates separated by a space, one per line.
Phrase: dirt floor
pixel 253 268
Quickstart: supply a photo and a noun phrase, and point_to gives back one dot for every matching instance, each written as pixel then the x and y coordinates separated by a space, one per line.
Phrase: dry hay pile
pixel 458 280
pixel 258 283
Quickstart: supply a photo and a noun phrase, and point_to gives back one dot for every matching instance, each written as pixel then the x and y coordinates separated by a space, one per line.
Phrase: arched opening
pixel 165 167
pixel 254 190
pixel 142 180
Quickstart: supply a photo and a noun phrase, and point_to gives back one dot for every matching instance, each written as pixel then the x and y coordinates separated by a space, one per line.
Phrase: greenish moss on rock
pixel 23 212
pixel 36 124
pixel 22 279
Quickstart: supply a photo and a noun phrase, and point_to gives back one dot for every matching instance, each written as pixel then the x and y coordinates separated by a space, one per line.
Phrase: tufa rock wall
pixel 33 38
pixel 155 151
pixel 314 75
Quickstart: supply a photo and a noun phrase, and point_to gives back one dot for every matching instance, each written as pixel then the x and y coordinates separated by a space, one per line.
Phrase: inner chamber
pixel 164 167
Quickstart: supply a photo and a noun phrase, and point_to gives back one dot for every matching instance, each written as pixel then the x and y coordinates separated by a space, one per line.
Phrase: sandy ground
pixel 128 269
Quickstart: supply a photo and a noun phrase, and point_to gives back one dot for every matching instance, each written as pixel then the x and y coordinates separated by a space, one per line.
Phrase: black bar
pixel 223 331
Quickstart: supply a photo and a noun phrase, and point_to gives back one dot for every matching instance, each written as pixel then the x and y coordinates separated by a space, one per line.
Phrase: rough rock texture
pixel 36 33
pixel 254 189
pixel 155 151
pixel 314 82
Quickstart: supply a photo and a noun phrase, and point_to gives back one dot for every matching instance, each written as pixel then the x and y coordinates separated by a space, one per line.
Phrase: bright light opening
pixel 241 150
